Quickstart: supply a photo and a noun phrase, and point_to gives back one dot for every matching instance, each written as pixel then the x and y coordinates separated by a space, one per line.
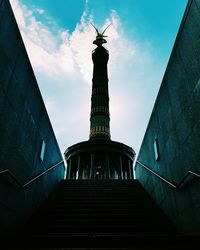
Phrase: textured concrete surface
pixel 24 123
pixel 175 122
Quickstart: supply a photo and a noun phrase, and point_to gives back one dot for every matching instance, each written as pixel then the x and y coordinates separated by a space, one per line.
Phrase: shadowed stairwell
pixel 93 214
pixel 99 205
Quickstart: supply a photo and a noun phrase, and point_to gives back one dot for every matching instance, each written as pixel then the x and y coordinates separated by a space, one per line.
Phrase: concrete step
pixel 92 211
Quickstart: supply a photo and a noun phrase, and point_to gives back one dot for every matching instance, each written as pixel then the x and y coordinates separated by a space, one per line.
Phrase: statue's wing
pixel 105 29
pixel 95 29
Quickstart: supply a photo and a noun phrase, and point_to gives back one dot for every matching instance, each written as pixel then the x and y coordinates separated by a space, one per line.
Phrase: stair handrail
pixel 7 171
pixel 176 186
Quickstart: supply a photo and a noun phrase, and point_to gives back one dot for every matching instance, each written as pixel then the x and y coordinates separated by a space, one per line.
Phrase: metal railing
pixel 176 186
pixel 7 171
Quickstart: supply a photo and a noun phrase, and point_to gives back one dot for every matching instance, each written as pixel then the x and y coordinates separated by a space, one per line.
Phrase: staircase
pixel 99 214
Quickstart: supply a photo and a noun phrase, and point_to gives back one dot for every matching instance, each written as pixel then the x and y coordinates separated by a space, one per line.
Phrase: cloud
pixel 63 67
pixel 49 53
pixel 40 11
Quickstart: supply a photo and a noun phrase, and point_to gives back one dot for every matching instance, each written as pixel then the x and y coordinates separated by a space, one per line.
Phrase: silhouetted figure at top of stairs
pixel 90 214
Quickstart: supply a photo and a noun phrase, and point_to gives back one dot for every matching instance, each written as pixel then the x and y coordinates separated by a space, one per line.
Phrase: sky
pixel 58 37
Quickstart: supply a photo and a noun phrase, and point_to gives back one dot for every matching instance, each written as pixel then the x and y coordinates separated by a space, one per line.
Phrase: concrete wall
pixel 24 122
pixel 175 122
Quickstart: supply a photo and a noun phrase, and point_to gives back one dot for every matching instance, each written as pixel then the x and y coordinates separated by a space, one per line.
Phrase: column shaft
pixel 92 167
pixel 80 172
pixel 107 166
pixel 69 169
pixel 130 169
pixel 120 168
